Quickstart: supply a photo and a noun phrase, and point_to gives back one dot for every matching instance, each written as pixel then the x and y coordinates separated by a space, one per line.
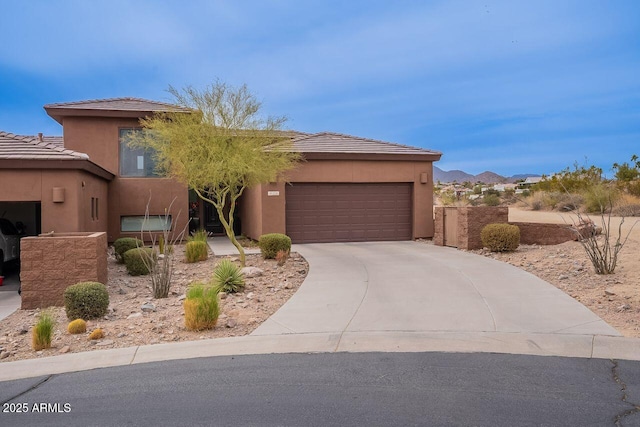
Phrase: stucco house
pixel 346 189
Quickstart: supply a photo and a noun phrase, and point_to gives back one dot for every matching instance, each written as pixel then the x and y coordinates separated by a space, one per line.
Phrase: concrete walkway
pixel 394 296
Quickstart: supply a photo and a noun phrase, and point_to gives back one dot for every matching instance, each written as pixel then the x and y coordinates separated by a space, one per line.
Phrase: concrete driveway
pixel 381 295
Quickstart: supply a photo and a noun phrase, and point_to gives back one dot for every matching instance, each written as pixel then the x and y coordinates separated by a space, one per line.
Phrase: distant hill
pixel 487 177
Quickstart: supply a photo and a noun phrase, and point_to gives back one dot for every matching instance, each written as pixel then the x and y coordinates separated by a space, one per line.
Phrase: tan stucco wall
pixel 99 138
pixel 74 213
pixel 129 196
pixel 266 214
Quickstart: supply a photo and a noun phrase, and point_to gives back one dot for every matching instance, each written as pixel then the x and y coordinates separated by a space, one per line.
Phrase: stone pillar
pixel 51 262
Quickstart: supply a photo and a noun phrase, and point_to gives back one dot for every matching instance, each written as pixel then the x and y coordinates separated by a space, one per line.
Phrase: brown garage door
pixel 348 212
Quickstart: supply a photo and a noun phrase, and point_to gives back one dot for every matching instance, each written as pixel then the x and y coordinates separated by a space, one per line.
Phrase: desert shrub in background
pixel 571 181
pixel 500 237
pixel 124 244
pixel 271 243
pixel 42 333
pixel 491 199
pixel 201 308
pixel 77 326
pixel 139 260
pixel 196 251
pixel 568 201
pixel 227 277
pixel 599 198
pixel 86 300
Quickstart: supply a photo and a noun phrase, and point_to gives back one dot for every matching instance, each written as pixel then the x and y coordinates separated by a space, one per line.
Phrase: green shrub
pixel 196 250
pixel 138 260
pixel 227 277
pixel 271 243
pixel 43 331
pixel 77 326
pixel 491 199
pixel 500 237
pixel 124 244
pixel 599 198
pixel 86 300
pixel 201 308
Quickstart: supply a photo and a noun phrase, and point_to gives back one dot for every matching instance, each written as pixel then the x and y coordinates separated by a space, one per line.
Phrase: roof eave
pixel 426 157
pixel 62 164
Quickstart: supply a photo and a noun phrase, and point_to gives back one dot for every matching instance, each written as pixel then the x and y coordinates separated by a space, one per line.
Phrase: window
pixel 94 208
pixel 135 161
pixel 134 223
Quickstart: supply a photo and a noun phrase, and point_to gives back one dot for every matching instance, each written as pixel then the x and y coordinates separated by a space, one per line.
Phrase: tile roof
pixel 118 104
pixel 329 142
pixel 21 147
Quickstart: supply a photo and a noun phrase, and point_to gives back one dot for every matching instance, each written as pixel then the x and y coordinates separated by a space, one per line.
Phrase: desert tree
pixel 221 147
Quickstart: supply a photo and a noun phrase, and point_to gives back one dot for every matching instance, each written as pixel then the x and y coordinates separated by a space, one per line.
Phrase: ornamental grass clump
pixel 196 251
pixel 201 308
pixel 227 277
pixel 86 300
pixel 500 237
pixel 271 243
pixel 139 261
pixel 124 244
pixel 43 331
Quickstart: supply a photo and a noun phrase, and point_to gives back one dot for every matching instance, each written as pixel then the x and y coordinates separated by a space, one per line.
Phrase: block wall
pixel 50 263
pixel 471 221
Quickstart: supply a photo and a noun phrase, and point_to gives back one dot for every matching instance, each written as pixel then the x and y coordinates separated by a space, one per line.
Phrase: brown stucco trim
pixel 373 156
pixel 78 164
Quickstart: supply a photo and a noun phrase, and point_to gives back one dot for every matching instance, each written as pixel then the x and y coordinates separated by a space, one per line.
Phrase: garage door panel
pixel 348 212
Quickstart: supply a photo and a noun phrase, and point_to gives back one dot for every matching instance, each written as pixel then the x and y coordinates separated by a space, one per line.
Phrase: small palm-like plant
pixel 227 277
pixel 43 331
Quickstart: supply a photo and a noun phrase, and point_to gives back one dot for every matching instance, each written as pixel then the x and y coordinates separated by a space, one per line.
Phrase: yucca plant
pixel 201 308
pixel 43 331
pixel 227 277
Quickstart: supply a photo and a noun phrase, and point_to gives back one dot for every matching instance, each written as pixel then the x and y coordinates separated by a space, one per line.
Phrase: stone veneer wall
pixel 472 219
pixel 438 232
pixel 532 233
pixel 50 263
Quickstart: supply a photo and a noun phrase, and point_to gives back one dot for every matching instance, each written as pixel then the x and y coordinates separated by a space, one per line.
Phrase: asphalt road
pixel 363 389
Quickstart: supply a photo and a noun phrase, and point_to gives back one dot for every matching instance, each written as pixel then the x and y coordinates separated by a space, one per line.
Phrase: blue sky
pixel 508 86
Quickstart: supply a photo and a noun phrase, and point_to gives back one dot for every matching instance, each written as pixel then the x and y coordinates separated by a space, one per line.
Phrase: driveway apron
pixel 417 287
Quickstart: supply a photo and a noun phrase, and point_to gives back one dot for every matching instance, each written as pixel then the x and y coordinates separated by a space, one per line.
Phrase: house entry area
pixel 348 212
pixel 17 220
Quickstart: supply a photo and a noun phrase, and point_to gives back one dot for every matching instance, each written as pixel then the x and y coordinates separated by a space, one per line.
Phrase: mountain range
pixel 487 177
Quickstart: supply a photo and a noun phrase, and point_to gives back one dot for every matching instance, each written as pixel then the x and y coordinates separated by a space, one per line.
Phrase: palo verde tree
pixel 220 148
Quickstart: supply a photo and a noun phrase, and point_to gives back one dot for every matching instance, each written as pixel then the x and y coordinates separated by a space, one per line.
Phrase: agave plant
pixel 227 277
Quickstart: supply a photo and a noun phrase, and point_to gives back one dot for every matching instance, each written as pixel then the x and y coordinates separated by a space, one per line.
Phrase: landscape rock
pixel 231 323
pixel 134 315
pixel 64 349
pixel 250 272
pixel 104 343
pixel 609 292
pixel 148 308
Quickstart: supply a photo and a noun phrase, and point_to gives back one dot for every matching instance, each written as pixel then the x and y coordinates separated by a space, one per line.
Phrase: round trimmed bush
pixel 271 243
pixel 77 326
pixel 500 237
pixel 138 260
pixel 86 300
pixel 124 244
